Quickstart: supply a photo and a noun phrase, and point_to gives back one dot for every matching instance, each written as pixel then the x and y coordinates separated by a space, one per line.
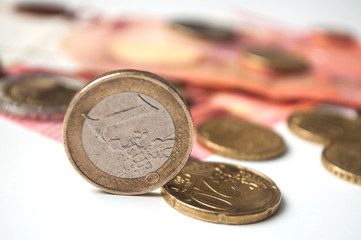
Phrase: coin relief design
pixel 222 193
pixel 130 140
pixel 128 132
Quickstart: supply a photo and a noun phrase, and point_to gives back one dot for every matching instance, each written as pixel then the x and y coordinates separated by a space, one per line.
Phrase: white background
pixel 43 197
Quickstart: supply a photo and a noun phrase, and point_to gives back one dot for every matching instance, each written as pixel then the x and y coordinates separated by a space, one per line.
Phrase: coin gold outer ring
pixel 349 127
pixel 227 151
pixel 127 81
pixel 20 109
pixel 333 167
pixel 233 218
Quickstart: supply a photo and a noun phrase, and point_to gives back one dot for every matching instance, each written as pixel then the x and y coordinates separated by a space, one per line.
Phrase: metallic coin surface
pixel 240 139
pixel 37 96
pixel 343 159
pixel 40 8
pixel 204 30
pixel 323 127
pixel 274 59
pixel 222 193
pixel 128 132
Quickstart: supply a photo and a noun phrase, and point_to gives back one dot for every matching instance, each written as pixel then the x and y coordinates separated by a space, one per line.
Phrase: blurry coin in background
pixel 37 96
pixel 274 59
pixel 128 132
pixel 240 139
pixel 335 37
pixel 154 52
pixel 204 30
pixel 323 127
pixel 343 159
pixel 41 8
pixel 222 193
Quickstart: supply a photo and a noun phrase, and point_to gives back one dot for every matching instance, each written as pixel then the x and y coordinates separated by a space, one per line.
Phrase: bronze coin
pixel 240 139
pixel 205 30
pixel 323 127
pixel 41 8
pixel 343 159
pixel 128 132
pixel 274 59
pixel 222 193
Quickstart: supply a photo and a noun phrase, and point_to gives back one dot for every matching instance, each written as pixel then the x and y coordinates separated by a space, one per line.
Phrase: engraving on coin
pixel 343 159
pixel 128 135
pixel 40 96
pixel 323 127
pixel 240 139
pixel 128 132
pixel 222 193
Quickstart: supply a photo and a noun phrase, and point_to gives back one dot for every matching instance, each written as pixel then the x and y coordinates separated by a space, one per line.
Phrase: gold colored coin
pixel 222 193
pixel 128 132
pixel 274 59
pixel 322 127
pixel 202 29
pixel 343 159
pixel 240 139
pixel 40 96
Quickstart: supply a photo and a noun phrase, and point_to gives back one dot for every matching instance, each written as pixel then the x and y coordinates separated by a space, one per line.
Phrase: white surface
pixel 43 197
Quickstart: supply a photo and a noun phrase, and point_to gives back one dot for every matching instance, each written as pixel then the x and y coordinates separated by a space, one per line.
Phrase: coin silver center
pixel 128 135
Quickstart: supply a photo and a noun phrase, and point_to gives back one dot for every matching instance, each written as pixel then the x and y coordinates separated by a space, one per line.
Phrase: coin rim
pixel 224 218
pixel 113 184
pixel 18 109
pixel 336 170
pixel 234 153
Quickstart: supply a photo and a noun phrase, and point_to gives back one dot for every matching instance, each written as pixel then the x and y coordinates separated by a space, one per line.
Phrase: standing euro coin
pixel 240 139
pixel 128 132
pixel 222 193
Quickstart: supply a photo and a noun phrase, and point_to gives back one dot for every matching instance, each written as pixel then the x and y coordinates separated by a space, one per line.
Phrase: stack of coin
pixel 130 132
pixel 342 137
pixel 37 96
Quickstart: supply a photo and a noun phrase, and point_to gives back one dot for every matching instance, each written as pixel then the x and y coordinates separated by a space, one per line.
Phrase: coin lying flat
pixel 37 96
pixel 322 127
pixel 222 193
pixel 343 159
pixel 40 8
pixel 240 139
pixel 274 59
pixel 128 132
pixel 204 30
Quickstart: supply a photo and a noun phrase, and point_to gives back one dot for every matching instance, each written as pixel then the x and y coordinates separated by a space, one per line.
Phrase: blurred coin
pixel 202 29
pixel 222 193
pixel 128 132
pixel 274 59
pixel 240 139
pixel 322 127
pixel 343 159
pixel 37 96
pixel 41 8
pixel 154 52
